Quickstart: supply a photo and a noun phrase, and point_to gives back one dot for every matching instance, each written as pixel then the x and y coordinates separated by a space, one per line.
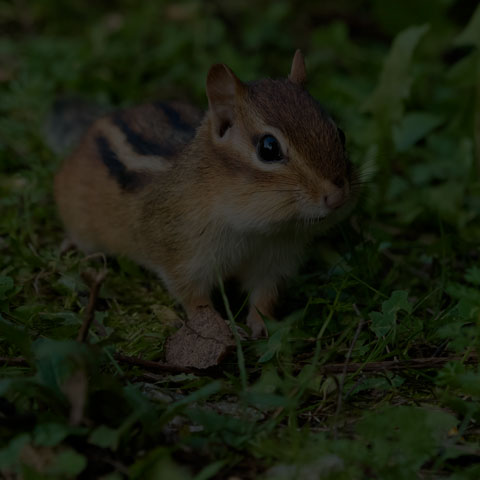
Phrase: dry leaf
pixel 202 342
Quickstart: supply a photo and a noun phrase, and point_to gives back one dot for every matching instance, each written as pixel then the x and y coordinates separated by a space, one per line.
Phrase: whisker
pixel 364 182
pixel 279 190
pixel 362 175
pixel 274 209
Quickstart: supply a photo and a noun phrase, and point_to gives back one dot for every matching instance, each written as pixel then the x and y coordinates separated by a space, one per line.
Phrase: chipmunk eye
pixel 268 149
pixel 342 136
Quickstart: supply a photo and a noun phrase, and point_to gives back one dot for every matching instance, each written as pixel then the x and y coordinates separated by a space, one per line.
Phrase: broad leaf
pixel 16 336
pixel 105 437
pixel 413 127
pixel 386 102
pixel 473 275
pixel 384 322
pixel 471 34
pixel 52 434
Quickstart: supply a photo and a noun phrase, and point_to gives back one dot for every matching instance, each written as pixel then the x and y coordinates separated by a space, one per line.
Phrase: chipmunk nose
pixel 335 197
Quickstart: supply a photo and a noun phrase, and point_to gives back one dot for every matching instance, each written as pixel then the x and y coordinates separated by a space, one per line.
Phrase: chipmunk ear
pixel 223 89
pixel 298 72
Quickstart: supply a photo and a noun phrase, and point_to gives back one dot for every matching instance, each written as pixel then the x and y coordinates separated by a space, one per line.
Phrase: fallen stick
pixel 13 362
pixel 92 302
pixel 412 364
pixel 156 367
pixel 327 369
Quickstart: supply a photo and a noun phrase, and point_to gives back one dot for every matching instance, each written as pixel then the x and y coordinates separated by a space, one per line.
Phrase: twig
pixel 154 366
pixel 94 256
pixel 92 301
pixel 13 362
pixel 124 359
pixel 328 369
pixel 412 364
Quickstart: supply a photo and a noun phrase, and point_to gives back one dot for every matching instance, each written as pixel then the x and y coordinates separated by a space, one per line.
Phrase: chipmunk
pixel 236 192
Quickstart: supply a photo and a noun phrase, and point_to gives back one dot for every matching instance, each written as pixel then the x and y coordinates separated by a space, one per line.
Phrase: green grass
pixel 399 281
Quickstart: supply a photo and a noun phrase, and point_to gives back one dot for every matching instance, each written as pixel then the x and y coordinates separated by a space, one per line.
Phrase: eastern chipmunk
pixel 236 192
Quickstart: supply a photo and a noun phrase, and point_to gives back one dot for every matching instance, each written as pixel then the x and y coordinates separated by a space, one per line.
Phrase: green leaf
pixel 57 360
pixel 231 430
pixel 31 388
pixel 25 313
pixel 6 286
pixel 197 396
pixel 70 283
pixel 445 199
pixel 464 292
pixel 473 275
pixel 464 380
pixel 381 324
pixel 67 462
pixel 464 72
pixel 267 400
pixel 142 409
pixel 386 102
pixel 274 344
pixel 384 322
pixel 11 453
pixel 113 476
pixel 157 464
pixel 413 127
pixel 377 383
pixel 403 438
pixel 51 434
pixel 105 437
pixel 471 34
pixel 210 470
pixel 398 301
pixel 471 472
pixel 16 336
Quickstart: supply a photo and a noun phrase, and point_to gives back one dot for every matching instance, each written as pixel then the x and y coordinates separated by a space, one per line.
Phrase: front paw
pixel 257 325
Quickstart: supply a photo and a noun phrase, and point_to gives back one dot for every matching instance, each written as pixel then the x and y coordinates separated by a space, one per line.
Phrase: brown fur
pixel 193 205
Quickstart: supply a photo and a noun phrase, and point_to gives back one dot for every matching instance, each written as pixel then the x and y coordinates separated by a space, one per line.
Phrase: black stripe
pixel 174 118
pixel 140 144
pixel 128 180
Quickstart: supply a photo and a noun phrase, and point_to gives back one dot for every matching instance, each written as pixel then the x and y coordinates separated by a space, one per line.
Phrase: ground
pixel 370 370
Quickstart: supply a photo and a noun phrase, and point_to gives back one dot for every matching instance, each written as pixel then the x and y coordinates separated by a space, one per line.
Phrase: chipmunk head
pixel 284 156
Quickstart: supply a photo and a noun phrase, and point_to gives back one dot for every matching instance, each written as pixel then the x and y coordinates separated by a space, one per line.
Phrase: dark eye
pixel 342 136
pixel 268 149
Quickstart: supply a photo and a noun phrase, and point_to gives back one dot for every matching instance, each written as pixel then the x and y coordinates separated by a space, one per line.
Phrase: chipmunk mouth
pixel 325 219
pixel 315 212
pixel 312 220
pixel 320 212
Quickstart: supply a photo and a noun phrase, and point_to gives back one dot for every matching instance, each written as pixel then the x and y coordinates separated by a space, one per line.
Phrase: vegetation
pixel 371 370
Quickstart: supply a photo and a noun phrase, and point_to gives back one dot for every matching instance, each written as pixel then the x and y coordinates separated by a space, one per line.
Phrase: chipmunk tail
pixel 68 121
